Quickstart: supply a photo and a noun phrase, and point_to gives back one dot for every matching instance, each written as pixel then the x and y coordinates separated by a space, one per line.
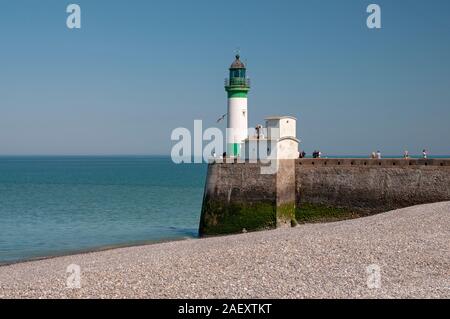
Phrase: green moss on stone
pixel 286 213
pixel 221 219
pixel 315 213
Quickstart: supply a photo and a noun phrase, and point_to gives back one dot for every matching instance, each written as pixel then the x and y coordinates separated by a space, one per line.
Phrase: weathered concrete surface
pixel 372 185
pixel 285 192
pixel 237 196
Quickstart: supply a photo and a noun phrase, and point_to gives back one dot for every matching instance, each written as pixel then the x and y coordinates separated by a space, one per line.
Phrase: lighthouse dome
pixel 237 64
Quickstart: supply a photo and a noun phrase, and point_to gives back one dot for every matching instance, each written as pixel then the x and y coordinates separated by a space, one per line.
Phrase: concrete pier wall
pixel 371 185
pixel 239 198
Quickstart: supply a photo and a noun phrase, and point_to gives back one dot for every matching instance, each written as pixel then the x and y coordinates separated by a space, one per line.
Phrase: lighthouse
pixel 237 87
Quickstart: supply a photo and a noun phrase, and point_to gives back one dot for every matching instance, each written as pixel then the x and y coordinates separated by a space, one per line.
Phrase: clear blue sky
pixel 138 69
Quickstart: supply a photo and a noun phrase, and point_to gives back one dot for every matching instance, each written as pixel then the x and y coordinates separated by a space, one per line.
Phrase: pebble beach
pixel 409 248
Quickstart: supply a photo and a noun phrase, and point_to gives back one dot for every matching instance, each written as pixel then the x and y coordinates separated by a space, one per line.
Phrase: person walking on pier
pixel 424 154
pixel 378 155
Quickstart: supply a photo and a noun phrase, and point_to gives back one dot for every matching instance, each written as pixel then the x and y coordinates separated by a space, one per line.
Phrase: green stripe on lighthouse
pixel 234 94
pixel 234 149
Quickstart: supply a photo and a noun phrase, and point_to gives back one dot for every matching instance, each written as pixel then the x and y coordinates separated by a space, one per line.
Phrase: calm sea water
pixel 57 205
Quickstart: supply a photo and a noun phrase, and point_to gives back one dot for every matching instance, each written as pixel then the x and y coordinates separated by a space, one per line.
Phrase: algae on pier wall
pixel 239 198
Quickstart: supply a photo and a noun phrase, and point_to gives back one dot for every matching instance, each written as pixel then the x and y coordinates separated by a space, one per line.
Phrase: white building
pixel 277 140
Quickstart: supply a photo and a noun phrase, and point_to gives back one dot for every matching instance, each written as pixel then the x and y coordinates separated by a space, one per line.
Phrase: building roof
pixel 276 117
pixel 254 138
pixel 292 138
pixel 237 64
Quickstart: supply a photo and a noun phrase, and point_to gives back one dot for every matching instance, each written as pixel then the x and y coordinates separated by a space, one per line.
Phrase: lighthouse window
pixel 238 73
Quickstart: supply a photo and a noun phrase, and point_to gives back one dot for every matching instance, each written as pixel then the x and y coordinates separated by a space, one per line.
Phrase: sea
pixel 52 206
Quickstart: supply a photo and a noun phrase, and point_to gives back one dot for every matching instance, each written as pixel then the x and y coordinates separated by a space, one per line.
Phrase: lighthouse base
pixel 234 150
pixel 238 198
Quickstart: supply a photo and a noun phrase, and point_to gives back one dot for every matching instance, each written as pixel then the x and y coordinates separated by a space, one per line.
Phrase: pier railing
pixel 385 162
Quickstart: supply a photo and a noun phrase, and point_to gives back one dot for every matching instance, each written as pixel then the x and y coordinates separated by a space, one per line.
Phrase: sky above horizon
pixel 136 70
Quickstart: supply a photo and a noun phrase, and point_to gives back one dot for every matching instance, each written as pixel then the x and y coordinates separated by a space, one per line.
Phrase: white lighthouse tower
pixel 237 87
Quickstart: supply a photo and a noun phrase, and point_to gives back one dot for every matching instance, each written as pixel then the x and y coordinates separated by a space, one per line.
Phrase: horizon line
pixel 168 155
